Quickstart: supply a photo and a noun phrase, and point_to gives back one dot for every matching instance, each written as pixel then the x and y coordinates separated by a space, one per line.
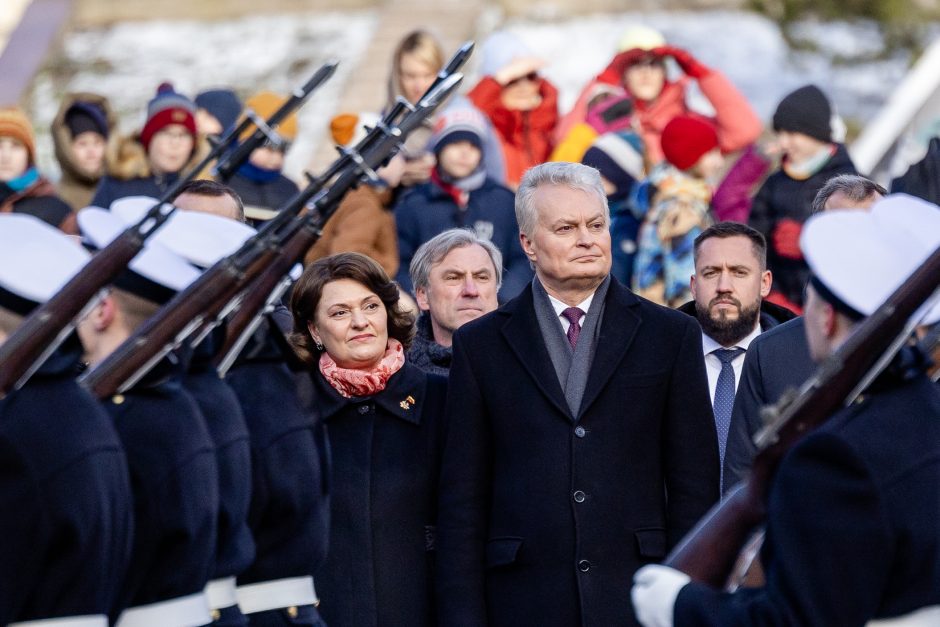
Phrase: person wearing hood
pixel 461 195
pixel 149 162
pixel 80 134
pixel 812 155
pixel 260 181
pixel 521 104
pixel 640 69
pixel 22 188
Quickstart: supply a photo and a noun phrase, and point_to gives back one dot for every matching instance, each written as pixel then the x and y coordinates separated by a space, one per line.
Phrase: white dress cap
pixel 36 259
pixel 155 262
pixel 200 238
pixel 858 258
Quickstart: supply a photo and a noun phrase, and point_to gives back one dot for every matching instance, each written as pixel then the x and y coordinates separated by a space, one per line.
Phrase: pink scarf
pixel 353 382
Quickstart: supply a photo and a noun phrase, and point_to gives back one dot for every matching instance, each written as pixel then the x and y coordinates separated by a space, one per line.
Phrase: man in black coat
pixel 852 533
pixel 573 410
pixel 779 360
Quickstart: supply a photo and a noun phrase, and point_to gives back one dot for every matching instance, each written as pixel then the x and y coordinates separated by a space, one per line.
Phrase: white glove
pixel 654 593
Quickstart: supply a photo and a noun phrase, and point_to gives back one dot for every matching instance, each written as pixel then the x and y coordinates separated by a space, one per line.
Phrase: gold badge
pixel 407 403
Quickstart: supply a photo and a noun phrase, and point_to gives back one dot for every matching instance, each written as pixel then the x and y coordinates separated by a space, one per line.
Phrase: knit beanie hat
pixel 265 104
pixel 166 108
pixel 806 110
pixel 84 117
pixel 618 157
pixel 15 124
pixel 348 129
pixel 458 123
pixel 222 104
pixel 686 138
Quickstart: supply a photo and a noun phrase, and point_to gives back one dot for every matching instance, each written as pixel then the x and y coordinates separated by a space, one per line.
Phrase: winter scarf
pixel 352 382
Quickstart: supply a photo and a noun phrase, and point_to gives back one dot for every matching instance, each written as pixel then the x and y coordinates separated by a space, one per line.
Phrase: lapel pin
pixel 407 403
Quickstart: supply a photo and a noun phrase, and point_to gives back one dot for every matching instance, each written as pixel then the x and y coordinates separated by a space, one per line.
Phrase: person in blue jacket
pixel 461 195
pixel 66 516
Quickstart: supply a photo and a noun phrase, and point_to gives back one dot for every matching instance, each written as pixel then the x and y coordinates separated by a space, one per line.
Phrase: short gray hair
pixel 573 175
pixel 854 187
pixel 435 249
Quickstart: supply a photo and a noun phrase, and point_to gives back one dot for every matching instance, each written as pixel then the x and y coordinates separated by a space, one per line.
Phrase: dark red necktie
pixel 573 315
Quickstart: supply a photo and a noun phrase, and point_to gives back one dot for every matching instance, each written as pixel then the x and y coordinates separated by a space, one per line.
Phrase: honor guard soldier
pixel 66 512
pixel 852 534
pixel 289 514
pixel 202 239
pixel 169 449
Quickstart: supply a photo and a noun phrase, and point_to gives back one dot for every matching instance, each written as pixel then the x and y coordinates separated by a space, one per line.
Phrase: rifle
pixel 262 295
pixel 216 291
pixel 43 330
pixel 264 129
pixel 708 553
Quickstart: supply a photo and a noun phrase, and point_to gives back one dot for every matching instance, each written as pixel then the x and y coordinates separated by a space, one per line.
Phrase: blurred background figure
pixel 80 135
pixel 812 155
pixel 520 103
pixel 22 188
pixel 260 181
pixel 148 162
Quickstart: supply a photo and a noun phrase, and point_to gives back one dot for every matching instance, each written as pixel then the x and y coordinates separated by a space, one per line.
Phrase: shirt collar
pixel 709 345
pixel 559 306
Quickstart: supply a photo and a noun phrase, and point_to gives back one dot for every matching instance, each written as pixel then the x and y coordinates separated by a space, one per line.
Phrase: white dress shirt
pixel 559 307
pixel 713 364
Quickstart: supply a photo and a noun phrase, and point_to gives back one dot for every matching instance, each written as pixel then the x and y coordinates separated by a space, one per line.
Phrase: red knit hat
pixel 166 108
pixel 686 138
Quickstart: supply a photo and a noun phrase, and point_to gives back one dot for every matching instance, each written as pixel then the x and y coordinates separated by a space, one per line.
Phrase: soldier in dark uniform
pixel 208 217
pixel 852 532
pixel 169 449
pixel 289 513
pixel 66 513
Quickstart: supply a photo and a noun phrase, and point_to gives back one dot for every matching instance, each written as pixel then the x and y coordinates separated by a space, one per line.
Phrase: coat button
pixel 579 496
pixel 584 566
pixel 363 409
pixel 579 431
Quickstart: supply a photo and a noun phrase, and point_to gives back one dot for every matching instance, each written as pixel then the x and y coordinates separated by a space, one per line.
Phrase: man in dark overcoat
pixel 580 442
pixel 851 534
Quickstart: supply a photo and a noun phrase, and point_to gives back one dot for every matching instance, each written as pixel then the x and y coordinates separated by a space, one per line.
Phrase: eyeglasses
pixel 531 77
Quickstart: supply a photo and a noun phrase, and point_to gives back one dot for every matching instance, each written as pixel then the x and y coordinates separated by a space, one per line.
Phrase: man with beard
pixel 730 282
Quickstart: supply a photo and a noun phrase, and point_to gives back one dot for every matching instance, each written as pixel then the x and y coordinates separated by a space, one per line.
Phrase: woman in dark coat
pixel 383 420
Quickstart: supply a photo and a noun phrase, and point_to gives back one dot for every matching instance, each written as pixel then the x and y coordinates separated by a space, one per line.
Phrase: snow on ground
pixel 127 62
pixel 276 52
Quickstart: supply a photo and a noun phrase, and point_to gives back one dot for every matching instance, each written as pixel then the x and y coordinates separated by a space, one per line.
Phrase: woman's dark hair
pixel 356 267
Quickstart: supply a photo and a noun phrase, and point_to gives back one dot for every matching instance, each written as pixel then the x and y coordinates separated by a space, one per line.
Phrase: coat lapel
pixel 524 337
pixel 618 328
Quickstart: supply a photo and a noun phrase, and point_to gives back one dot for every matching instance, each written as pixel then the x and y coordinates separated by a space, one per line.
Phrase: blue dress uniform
pixel 385 454
pixel 289 514
pixel 236 547
pixel 66 516
pixel 65 501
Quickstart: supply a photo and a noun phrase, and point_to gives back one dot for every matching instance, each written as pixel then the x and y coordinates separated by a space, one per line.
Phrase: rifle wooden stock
pixel 199 305
pixel 234 160
pixel 165 329
pixel 708 553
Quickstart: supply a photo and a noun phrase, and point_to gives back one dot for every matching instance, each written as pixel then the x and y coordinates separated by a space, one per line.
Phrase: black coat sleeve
pixel 691 443
pixel 463 497
pixel 825 502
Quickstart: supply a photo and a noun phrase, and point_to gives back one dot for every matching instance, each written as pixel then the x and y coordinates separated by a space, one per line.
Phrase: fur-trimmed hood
pixel 127 158
pixel 62 137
